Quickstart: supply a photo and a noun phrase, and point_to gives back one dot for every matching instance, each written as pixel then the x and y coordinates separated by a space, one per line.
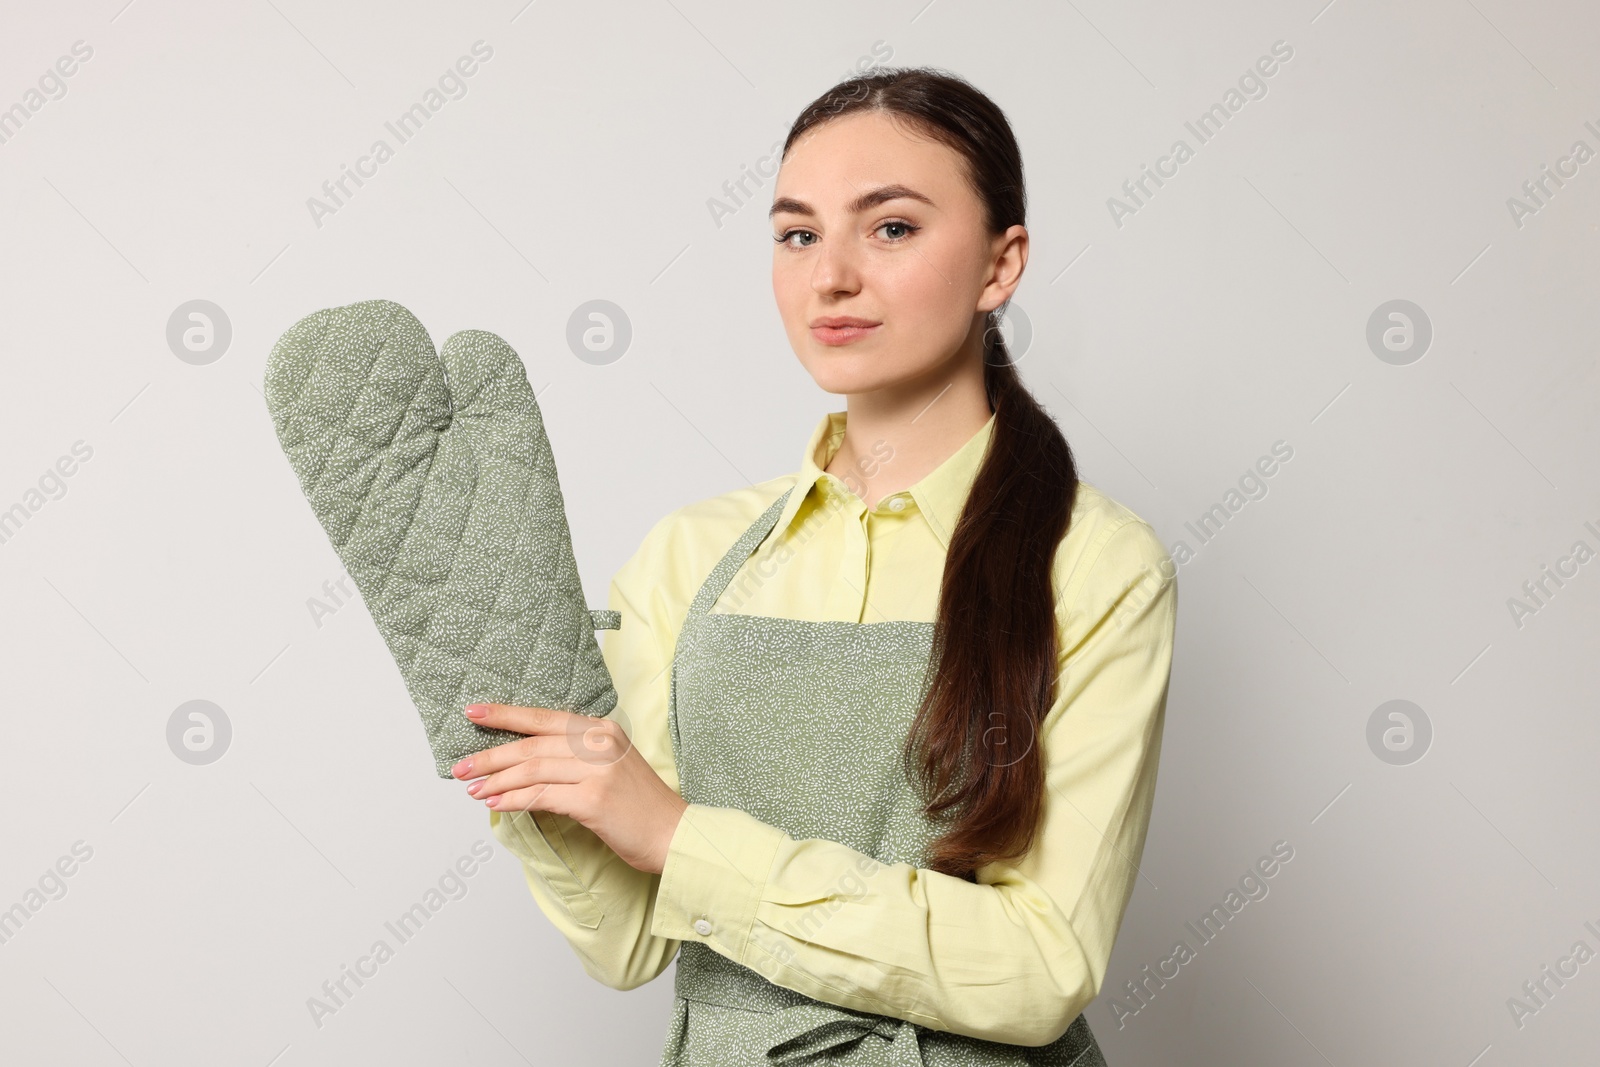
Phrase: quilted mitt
pixel 434 479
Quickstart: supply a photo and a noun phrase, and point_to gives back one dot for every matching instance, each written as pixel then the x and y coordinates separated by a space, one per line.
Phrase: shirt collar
pixel 940 495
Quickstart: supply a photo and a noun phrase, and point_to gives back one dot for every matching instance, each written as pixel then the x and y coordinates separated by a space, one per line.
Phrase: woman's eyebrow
pixel 861 203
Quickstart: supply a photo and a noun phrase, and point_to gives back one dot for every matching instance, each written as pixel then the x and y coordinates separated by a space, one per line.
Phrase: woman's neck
pixel 891 444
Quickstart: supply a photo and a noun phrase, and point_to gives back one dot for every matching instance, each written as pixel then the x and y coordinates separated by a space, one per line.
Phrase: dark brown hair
pixel 974 744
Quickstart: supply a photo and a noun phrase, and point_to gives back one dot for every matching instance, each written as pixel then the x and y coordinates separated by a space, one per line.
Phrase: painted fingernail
pixel 475 786
pixel 476 711
pixel 492 801
pixel 462 769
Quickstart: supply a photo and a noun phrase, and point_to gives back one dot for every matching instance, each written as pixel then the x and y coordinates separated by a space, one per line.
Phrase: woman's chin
pixel 859 385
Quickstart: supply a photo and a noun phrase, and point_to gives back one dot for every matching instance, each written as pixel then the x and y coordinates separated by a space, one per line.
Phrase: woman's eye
pixel 898 231
pixel 784 238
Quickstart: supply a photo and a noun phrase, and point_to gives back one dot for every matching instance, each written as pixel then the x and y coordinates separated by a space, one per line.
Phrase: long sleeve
pixel 603 906
pixel 1016 956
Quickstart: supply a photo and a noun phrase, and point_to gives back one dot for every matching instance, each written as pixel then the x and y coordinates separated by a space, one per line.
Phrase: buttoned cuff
pixel 714 877
pixel 535 838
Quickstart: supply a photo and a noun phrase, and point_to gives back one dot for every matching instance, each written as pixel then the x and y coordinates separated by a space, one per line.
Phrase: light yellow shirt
pixel 1014 957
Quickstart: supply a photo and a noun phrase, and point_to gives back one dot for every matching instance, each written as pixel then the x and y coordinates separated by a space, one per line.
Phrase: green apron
pixel 802 725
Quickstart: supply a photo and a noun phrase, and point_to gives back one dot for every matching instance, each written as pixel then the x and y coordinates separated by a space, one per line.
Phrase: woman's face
pixel 884 233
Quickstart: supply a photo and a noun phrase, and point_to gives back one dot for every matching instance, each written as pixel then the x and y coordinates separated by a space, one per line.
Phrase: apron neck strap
pixel 730 563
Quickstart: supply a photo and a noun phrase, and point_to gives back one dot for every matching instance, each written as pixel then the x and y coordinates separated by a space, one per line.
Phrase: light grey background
pixel 1229 312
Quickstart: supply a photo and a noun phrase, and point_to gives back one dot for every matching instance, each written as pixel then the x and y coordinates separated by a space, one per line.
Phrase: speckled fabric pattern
pixel 433 478
pixel 802 725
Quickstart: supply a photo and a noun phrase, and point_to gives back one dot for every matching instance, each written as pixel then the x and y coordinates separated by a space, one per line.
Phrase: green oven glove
pixel 434 479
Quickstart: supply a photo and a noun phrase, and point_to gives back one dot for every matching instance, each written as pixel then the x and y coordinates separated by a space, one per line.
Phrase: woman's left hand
pixel 580 766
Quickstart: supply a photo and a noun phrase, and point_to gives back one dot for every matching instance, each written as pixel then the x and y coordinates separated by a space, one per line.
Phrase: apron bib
pixel 802 724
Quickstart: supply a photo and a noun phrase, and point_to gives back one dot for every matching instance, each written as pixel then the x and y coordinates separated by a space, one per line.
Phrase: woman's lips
pixel 842 335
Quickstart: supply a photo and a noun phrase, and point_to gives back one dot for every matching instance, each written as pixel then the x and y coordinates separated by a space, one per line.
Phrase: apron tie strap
pixel 804 1034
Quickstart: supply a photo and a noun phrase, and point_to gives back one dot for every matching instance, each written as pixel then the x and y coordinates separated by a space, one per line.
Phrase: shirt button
pixel 897 504
pixel 702 927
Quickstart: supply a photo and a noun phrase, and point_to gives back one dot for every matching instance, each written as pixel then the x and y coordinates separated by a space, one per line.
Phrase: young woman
pixel 893 721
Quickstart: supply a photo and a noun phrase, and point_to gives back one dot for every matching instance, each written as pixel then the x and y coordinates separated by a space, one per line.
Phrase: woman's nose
pixel 837 268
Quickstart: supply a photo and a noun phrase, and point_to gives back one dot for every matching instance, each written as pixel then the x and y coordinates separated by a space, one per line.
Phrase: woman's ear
pixel 1010 251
